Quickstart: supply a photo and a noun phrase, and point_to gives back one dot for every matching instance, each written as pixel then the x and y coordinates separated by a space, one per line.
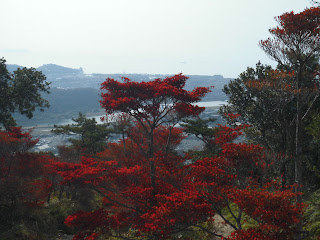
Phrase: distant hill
pixel 72 91
pixel 12 67
pixel 64 104
pixel 54 71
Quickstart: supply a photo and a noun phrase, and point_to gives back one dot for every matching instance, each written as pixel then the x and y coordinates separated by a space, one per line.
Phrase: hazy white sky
pixel 204 37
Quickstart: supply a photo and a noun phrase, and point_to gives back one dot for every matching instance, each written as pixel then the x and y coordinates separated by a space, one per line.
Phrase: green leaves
pixel 312 215
pixel 93 136
pixel 21 92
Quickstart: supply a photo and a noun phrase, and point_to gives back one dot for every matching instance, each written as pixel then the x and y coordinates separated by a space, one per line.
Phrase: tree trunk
pixel 124 145
pixel 298 154
pixel 168 141
pixel 298 145
pixel 152 167
pixel 298 151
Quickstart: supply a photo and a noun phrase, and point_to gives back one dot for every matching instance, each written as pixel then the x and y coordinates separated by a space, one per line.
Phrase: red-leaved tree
pixel 189 197
pixel 148 192
pixel 151 104
pixel 24 184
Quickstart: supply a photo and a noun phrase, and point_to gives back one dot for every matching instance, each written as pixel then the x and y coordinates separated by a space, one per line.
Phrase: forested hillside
pixel 64 105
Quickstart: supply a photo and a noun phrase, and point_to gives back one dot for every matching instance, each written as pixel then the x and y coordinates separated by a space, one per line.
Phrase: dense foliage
pixel 279 103
pixel 20 92
pixel 24 180
pixel 149 192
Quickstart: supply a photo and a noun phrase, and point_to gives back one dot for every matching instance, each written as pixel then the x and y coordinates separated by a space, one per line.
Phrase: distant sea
pixel 200 104
pixel 212 103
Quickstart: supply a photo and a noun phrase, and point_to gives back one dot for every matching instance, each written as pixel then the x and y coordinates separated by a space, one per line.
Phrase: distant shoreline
pixel 47 127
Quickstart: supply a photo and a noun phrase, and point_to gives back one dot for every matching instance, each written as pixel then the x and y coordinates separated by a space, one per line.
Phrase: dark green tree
pixel 21 92
pixel 313 129
pixel 278 102
pixel 295 45
pixel 264 98
pixel 93 136
pixel 261 99
pixel 204 130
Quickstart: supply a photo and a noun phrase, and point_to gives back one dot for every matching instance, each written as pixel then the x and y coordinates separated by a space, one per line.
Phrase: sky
pixel 195 37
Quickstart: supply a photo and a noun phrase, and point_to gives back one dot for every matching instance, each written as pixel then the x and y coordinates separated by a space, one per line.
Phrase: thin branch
pixel 115 201
pixel 226 220
pixel 236 218
pixel 315 98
